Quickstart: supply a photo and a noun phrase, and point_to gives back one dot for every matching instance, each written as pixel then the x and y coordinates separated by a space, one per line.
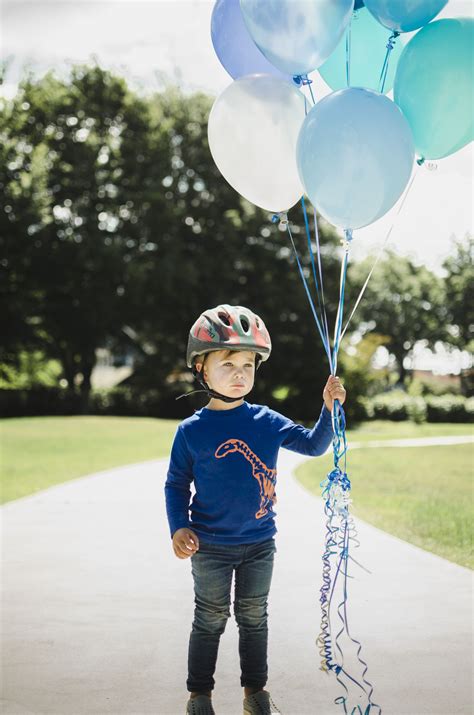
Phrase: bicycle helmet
pixel 228 327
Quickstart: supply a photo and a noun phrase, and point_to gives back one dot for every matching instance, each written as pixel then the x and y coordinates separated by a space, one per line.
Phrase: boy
pixel 230 448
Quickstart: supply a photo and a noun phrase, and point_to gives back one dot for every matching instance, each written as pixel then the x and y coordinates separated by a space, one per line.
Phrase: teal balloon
pixel 404 15
pixel 434 86
pixel 355 155
pixel 368 50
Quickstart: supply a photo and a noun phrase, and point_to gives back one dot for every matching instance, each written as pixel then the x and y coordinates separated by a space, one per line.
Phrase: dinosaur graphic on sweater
pixel 266 477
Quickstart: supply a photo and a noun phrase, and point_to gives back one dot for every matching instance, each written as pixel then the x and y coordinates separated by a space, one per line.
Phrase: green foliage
pixel 32 369
pixel 398 405
pixel 454 408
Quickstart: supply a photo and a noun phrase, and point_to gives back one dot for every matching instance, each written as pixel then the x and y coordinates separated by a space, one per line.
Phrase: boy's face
pixel 230 372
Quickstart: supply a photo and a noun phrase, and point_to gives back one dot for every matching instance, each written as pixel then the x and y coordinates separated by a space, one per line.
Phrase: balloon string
pixel 379 255
pixel 390 46
pixel 308 293
pixel 316 233
pixel 322 308
pixel 340 308
pixel 337 488
pixel 348 53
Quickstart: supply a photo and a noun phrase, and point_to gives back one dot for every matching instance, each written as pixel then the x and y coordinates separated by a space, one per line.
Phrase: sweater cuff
pixel 325 413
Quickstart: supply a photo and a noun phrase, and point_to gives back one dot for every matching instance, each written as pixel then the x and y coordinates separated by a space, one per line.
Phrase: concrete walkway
pixel 97 610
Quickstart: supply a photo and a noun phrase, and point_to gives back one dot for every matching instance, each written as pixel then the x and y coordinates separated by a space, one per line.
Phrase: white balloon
pixel 253 130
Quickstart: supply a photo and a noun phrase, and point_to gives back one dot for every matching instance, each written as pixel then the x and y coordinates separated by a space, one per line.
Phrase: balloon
pixel 355 155
pixel 434 86
pixel 404 15
pixel 253 128
pixel 296 35
pixel 368 50
pixel 236 50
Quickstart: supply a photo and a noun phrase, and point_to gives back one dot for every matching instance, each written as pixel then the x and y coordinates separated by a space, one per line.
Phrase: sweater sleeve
pixel 178 482
pixel 313 441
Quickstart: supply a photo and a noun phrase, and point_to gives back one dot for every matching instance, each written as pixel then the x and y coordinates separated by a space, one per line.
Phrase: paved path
pixel 97 610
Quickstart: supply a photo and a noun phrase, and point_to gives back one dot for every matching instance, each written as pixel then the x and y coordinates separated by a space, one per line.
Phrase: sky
pixel 146 40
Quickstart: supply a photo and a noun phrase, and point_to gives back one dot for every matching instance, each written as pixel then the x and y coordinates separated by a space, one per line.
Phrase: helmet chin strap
pixel 212 393
pixel 208 390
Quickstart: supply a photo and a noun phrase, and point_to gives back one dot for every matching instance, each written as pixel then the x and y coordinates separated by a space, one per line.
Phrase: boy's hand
pixel 185 543
pixel 333 391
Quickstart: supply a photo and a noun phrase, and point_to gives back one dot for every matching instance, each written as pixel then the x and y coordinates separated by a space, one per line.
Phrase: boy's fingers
pixel 195 539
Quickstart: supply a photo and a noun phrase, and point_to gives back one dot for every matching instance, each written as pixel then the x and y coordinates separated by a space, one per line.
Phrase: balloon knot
pixel 391 40
pixel 302 79
pixel 282 217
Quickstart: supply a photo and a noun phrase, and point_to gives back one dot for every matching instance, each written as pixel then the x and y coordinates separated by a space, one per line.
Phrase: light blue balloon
pixel 368 47
pixel 236 50
pixel 404 15
pixel 355 155
pixel 296 36
pixel 434 86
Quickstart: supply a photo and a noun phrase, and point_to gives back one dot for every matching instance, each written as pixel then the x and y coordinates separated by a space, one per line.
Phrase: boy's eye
pixel 248 364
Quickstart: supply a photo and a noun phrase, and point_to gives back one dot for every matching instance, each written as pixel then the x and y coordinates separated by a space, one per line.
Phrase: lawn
pixel 38 452
pixel 422 495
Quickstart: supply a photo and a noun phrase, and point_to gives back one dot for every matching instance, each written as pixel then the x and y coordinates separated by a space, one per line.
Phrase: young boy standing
pixel 229 449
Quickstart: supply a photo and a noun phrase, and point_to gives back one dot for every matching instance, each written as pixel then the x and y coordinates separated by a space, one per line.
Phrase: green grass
pixel 423 495
pixel 388 429
pixel 38 452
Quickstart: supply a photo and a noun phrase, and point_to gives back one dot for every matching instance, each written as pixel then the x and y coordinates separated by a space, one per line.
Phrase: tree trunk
pixel 69 369
pixel 402 371
pixel 87 363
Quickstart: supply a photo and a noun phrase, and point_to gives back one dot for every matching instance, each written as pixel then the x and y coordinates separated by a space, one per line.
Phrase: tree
pixel 81 157
pixel 119 227
pixel 459 292
pixel 403 302
pixel 459 300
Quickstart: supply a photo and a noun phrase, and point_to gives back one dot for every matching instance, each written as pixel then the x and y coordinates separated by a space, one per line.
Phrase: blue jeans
pixel 212 568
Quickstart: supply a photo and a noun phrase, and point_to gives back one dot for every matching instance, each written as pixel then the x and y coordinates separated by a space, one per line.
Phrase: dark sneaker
pixel 200 705
pixel 260 704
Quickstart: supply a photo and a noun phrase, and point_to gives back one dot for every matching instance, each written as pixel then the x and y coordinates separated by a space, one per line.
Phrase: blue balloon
pixel 355 154
pixel 236 50
pixel 296 35
pixel 368 49
pixel 404 15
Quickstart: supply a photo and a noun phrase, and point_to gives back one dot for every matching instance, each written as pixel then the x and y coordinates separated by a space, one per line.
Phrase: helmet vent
pixel 257 323
pixel 244 323
pixel 224 318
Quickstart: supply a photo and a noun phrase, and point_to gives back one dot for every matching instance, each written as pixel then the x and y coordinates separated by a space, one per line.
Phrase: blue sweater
pixel 231 456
